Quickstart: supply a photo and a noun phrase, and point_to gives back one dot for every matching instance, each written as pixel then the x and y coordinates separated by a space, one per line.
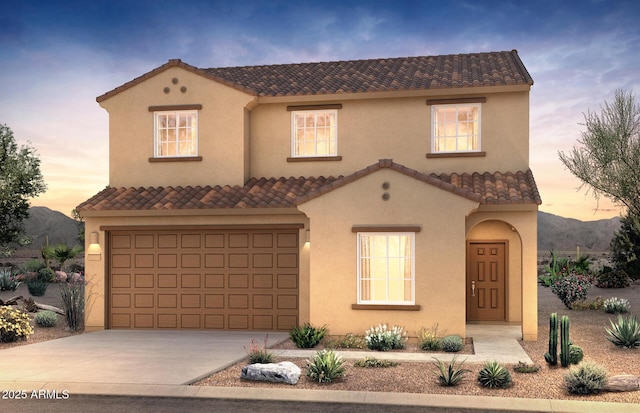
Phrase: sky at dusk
pixel 56 57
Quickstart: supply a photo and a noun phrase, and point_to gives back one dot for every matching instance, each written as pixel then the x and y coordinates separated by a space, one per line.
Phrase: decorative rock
pixel 283 372
pixel 624 382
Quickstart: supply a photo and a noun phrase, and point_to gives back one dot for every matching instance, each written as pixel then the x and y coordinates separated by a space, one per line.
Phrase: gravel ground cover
pixel 587 331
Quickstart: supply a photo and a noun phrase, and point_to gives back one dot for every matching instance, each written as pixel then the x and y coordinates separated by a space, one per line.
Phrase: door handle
pixel 473 288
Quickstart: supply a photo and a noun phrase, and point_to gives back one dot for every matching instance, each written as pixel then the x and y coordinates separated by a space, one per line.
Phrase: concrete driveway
pixel 129 357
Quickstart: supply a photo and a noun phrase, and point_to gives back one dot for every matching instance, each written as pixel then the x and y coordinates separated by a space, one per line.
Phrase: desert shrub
pixel 307 336
pixel 372 362
pixel 571 288
pixel 32 266
pixel 325 367
pixel 596 303
pixel 46 318
pixel 625 332
pixel 451 343
pixel 348 341
pixel 615 305
pixel 613 279
pixel 73 303
pixel 428 339
pixel 258 353
pixel 450 374
pixel 8 280
pixel 587 378
pixel 494 375
pixel 522 367
pixel 576 354
pixel 381 338
pixel 14 325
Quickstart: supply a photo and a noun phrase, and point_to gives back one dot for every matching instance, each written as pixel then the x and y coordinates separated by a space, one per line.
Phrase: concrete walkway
pixel 129 357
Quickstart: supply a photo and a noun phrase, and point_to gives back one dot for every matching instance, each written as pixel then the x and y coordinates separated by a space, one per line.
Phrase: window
pixel 314 133
pixel 176 133
pixel 456 128
pixel 386 273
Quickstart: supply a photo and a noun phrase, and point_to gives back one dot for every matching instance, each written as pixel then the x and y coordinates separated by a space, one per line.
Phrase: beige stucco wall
pixel 439 249
pixel 519 229
pixel 397 128
pixel 221 132
pixel 95 265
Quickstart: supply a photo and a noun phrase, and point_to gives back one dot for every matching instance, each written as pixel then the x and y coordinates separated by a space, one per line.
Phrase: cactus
pixel 564 341
pixel 552 356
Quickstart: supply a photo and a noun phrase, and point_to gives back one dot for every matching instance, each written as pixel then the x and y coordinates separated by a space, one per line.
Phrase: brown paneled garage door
pixel 203 279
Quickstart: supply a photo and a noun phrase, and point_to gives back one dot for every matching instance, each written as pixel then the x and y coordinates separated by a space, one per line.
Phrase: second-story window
pixel 314 133
pixel 176 133
pixel 455 128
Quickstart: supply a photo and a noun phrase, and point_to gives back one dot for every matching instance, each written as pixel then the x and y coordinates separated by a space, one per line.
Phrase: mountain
pixel 564 234
pixel 554 232
pixel 43 222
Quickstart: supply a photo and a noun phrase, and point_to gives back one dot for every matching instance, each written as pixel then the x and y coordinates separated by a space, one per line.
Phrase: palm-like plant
pixel 63 253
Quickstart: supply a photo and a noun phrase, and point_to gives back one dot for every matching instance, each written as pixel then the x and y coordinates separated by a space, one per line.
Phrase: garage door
pixel 203 279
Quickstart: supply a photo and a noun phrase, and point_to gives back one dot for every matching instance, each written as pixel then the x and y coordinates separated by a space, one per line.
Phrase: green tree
pixel 79 224
pixel 625 246
pixel 20 179
pixel 608 160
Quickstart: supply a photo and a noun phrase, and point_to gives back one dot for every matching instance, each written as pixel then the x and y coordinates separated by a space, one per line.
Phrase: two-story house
pixel 345 193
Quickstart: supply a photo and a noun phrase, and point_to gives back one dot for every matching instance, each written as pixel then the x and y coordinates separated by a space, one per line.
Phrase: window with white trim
pixel 314 133
pixel 176 133
pixel 386 268
pixel 455 128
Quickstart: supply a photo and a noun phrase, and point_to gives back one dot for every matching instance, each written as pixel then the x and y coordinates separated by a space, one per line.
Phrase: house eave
pixel 190 212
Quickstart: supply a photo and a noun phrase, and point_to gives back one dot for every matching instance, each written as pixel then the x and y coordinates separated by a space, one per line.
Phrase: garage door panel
pixel 262 302
pixel 214 281
pixel 167 280
pixel 238 281
pixel 238 322
pixel 238 301
pixel 190 281
pixel 203 279
pixel 121 281
pixel 141 320
pixel 120 261
pixel 143 280
pixel 167 321
pixel 190 261
pixel 263 281
pixel 167 241
pixel 167 260
pixel 262 322
pixel 214 321
pixel 144 241
pixel 167 301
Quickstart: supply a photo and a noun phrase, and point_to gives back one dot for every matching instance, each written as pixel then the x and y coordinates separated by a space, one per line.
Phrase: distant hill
pixel 554 232
pixel 564 234
pixel 57 226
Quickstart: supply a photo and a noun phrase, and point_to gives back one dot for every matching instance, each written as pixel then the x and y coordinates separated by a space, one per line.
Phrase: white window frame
pixel 434 134
pixel 156 143
pixel 294 127
pixel 412 239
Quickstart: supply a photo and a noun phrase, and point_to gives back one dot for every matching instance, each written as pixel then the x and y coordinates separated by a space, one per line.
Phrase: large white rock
pixel 283 372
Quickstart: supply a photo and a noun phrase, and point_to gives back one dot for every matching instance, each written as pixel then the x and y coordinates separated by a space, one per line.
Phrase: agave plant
pixel 450 375
pixel 494 376
pixel 624 333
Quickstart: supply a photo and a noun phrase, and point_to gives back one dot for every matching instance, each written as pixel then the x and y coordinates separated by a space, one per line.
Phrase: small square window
pixel 176 133
pixel 314 133
pixel 386 268
pixel 455 128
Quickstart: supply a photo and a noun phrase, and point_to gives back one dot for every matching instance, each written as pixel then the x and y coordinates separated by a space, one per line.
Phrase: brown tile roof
pixel 487 188
pixel 358 76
